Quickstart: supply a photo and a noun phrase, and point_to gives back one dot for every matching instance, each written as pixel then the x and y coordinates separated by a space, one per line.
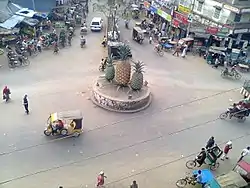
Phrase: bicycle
pixel 189 179
pixel 159 52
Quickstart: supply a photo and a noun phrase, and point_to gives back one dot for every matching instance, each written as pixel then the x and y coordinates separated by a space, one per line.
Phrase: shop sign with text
pixel 181 18
pixel 233 9
pixel 212 30
pixel 164 15
pixel 184 9
pixel 153 9
pixel 146 5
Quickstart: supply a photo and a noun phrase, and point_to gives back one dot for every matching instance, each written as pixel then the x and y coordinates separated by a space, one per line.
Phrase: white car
pixel 96 24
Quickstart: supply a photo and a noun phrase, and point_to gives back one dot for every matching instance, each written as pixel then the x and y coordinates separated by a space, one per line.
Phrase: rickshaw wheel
pixel 243 119
pixel 214 166
pixel 181 183
pixel 191 164
pixel 237 76
pixel 161 53
pixel 76 134
pixel 64 132
pixel 223 116
pixel 47 132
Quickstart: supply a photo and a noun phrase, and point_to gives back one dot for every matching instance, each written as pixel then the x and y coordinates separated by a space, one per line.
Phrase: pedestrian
pixel 177 50
pixel 226 150
pixel 134 185
pixel 210 142
pixel 39 46
pixel 184 51
pixel 244 153
pixel 26 104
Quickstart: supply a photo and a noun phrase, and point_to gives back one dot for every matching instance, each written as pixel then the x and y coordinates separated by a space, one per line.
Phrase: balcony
pixel 236 3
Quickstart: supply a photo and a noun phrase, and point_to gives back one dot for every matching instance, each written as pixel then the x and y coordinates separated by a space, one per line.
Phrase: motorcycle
pixel 233 73
pixel 239 114
pixel 13 61
pixel 6 97
pixel 83 42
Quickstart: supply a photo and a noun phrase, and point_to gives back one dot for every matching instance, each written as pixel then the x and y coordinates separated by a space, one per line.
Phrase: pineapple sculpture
pixel 137 77
pixel 123 67
pixel 110 69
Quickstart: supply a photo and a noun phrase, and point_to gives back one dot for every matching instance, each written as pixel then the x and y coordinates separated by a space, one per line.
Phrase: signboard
pixel 181 18
pixel 183 9
pixel 245 10
pixel 233 9
pixel 236 31
pixel 146 5
pixel 153 9
pixel 190 18
pixel 212 30
pixel 164 15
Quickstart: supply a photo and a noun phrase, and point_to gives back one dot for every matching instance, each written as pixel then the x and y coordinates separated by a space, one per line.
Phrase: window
pixel 237 17
pixel 199 7
pixel 217 11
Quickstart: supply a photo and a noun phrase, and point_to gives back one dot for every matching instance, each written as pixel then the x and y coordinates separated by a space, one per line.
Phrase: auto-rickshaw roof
pixel 74 114
pixel 138 29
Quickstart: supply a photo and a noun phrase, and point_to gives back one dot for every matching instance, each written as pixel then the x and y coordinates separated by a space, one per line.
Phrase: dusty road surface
pixel 151 146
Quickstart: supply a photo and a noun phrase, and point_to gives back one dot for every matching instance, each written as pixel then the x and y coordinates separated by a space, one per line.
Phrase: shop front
pixel 179 25
pixel 160 17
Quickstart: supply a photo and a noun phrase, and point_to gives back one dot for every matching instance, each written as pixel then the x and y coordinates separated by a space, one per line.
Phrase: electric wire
pixel 114 151
pixel 121 121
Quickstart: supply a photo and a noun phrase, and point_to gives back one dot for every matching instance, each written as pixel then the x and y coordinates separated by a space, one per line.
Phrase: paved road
pixel 150 146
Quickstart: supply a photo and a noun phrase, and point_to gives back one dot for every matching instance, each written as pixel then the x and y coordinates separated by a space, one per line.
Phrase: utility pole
pixel 34 5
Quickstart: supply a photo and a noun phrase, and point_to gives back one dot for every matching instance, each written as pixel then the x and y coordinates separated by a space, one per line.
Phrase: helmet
pixel 101 173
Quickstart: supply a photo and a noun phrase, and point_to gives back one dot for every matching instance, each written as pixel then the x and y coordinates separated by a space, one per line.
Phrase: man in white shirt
pixel 244 153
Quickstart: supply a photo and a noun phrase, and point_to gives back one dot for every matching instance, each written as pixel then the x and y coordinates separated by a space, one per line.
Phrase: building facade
pixel 232 16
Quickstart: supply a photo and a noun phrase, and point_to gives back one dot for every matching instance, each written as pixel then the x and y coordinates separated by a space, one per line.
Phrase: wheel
pixel 26 62
pixel 64 132
pixel 1 51
pixel 191 164
pixel 237 76
pixel 181 183
pixel 223 75
pixel 11 65
pixel 223 115
pixel 242 119
pixel 214 166
pixel 76 134
pixel 47 132
pixel 161 53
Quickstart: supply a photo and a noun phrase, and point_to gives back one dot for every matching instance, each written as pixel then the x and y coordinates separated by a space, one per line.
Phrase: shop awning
pixel 26 12
pixel 12 22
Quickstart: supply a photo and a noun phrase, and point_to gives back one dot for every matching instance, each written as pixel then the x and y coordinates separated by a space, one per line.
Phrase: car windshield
pixel 95 23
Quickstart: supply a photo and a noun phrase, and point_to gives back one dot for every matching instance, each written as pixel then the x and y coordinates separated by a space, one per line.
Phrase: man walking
pixel 26 104
pixel 244 153
pixel 226 150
